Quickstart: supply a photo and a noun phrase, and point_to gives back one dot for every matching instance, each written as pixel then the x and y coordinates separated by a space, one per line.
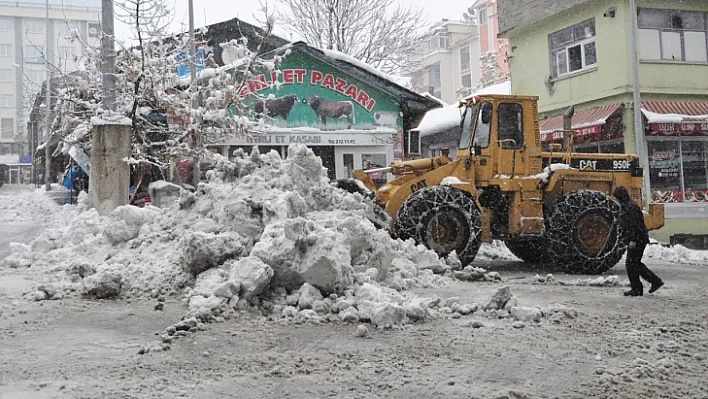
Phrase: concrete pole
pixel 110 144
pixel 47 110
pixel 196 169
pixel 638 127
pixel 109 56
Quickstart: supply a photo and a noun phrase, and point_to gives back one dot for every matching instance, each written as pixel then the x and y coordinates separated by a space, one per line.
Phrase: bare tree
pixel 377 32
pixel 148 89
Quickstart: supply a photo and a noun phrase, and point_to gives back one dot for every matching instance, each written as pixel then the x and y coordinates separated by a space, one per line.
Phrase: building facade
pixel 492 49
pixel 575 53
pixel 449 65
pixel 349 115
pixel 23 48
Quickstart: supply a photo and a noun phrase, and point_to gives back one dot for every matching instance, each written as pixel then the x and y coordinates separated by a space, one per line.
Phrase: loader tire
pixel 584 233
pixel 530 250
pixel 443 219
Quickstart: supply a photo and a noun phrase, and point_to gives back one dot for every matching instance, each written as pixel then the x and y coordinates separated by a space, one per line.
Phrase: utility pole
pixel 638 128
pixel 109 178
pixel 196 169
pixel 109 56
pixel 47 110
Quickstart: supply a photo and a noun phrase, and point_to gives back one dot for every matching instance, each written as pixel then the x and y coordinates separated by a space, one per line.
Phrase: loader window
pixel 466 135
pixel 481 135
pixel 511 125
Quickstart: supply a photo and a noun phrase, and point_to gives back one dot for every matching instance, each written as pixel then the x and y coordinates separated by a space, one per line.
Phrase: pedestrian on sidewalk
pixel 636 236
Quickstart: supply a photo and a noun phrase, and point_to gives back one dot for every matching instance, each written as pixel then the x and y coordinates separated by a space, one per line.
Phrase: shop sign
pixel 315 139
pixel 678 129
pixel 578 133
pixel 313 78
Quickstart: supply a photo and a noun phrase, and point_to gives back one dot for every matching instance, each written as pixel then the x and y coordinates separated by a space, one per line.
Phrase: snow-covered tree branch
pixel 170 114
pixel 374 31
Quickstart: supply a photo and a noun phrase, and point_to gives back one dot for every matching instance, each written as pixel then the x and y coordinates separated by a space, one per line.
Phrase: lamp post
pixel 47 110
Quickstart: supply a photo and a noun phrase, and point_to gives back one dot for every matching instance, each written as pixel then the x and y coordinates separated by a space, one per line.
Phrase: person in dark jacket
pixel 636 237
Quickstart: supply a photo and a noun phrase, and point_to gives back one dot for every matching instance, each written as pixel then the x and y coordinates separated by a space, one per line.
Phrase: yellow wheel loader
pixel 547 206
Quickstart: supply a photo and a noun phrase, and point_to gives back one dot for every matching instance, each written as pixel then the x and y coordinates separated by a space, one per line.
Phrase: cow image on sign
pixel 332 109
pixel 274 107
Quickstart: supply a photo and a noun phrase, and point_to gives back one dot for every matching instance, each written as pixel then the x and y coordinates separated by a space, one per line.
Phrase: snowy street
pixel 74 347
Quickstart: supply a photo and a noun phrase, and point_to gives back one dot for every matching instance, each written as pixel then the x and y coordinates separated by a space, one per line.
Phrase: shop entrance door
pixel 327 155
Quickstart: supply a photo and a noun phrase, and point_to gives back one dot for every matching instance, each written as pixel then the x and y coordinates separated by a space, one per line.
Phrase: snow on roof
pixel 439 120
pixel 362 65
pixel 653 117
pixel 432 97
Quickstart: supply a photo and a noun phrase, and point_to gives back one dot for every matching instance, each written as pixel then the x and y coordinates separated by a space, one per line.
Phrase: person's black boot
pixel 633 293
pixel 656 286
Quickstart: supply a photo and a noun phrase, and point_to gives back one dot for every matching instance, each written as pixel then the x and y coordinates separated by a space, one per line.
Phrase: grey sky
pixel 212 11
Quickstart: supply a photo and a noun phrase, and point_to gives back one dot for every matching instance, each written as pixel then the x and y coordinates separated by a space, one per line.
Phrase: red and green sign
pixel 306 92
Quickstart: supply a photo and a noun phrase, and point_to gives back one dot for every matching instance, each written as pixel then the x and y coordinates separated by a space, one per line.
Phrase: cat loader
pixel 549 207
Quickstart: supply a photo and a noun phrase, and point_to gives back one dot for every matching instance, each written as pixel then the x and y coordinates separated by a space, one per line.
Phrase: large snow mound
pixel 260 227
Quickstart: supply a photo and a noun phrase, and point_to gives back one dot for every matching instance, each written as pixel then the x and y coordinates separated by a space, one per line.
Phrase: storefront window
pixel 665 171
pixel 695 170
pixel 348 164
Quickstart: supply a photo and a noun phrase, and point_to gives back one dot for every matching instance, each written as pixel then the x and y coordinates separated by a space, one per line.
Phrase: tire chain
pixel 425 202
pixel 561 225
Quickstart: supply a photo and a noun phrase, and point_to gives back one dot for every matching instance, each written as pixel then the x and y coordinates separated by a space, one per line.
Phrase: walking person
pixel 636 237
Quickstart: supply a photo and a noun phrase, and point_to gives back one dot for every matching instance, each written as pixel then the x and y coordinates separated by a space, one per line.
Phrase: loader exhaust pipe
pixel 567 126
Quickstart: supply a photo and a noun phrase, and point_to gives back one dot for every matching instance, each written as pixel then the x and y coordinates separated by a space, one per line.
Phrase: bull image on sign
pixel 273 107
pixel 332 109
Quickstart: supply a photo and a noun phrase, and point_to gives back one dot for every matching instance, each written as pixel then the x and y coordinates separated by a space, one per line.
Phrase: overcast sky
pixel 212 11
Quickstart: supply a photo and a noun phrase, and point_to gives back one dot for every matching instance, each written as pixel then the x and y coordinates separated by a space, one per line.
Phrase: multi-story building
pixel 449 66
pixel 23 48
pixel 492 49
pixel 577 52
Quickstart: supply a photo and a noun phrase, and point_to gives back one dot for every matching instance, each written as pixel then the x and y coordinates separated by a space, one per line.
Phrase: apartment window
pixel 467 80
pixel 7 100
pixel 4 25
pixel 435 80
pixel 483 17
pixel 438 42
pixel 67 53
pixel 465 58
pixel 573 49
pixel 7 75
pixel 672 35
pixel 8 128
pixel 36 77
pixel 33 54
pixel 5 50
pixel 66 27
pixel 34 26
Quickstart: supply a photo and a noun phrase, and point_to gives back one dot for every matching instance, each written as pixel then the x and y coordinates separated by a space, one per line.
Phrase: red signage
pixel 582 132
pixel 679 129
pixel 300 76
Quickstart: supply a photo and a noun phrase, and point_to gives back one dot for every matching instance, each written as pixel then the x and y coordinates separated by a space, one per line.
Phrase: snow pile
pixel 264 232
pixel 27 207
pixel 503 304
pixel 601 281
pixel 653 117
pixel 496 250
pixel 676 254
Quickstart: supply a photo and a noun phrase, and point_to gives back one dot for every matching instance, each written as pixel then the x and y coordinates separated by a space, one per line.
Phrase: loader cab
pixel 500 134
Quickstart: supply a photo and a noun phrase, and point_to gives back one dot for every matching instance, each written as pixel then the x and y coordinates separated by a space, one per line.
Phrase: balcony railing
pixel 51 6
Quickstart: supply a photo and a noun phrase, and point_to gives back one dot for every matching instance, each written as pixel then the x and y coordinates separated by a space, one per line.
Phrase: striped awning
pixel 585 122
pixel 675 112
pixel 676 118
